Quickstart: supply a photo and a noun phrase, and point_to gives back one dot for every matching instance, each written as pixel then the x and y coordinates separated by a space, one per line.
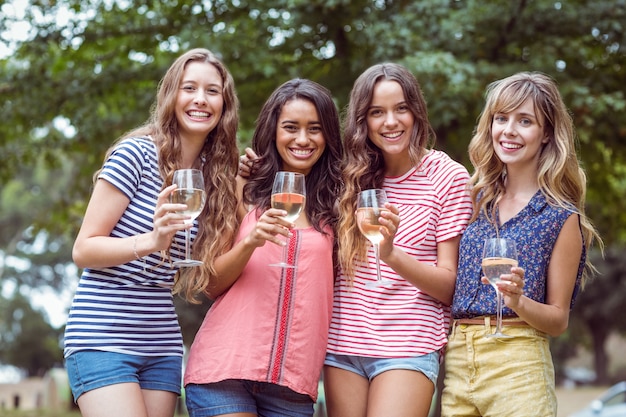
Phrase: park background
pixel 76 74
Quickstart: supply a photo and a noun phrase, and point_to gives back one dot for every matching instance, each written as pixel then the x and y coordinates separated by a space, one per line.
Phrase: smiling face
pixel 299 138
pixel 390 123
pixel 518 136
pixel 199 102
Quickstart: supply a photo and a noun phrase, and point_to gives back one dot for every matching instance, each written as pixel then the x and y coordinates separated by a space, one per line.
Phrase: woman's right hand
pixel 271 227
pixel 167 219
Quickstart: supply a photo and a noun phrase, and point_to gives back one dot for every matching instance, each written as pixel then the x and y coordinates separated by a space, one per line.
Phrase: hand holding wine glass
pixel 499 256
pixel 289 194
pixel 370 205
pixel 190 191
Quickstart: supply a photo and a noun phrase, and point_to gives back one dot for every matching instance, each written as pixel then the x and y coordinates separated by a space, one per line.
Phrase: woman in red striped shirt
pixel 385 341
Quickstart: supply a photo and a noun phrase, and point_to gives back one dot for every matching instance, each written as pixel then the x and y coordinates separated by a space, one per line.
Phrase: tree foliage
pixel 599 305
pixel 88 71
pixel 27 341
pixel 98 70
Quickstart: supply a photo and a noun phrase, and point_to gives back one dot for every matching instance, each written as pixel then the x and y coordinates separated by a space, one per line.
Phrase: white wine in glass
pixel 370 205
pixel 289 194
pixel 499 256
pixel 190 192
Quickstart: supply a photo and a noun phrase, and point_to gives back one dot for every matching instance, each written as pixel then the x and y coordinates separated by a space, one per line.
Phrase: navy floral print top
pixel 535 230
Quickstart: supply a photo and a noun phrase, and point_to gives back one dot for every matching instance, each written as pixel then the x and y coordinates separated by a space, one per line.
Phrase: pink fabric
pixel 272 324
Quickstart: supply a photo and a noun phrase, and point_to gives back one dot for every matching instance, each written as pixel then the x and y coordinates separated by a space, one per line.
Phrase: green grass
pixel 46 413
pixel 40 413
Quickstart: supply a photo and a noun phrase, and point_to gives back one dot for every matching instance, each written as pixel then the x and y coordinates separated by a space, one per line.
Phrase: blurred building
pixel 50 392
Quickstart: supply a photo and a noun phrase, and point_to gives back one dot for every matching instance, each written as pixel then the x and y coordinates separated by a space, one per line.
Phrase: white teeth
pixel 198 114
pixel 511 146
pixel 302 152
pixel 392 135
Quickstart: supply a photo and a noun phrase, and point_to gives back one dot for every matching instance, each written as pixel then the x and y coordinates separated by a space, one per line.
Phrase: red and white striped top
pixel 399 320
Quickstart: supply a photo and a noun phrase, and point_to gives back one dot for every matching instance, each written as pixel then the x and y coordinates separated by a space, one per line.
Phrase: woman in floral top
pixel 527 186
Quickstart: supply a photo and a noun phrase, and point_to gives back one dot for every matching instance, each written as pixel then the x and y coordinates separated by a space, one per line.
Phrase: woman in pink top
pixel 385 341
pixel 261 347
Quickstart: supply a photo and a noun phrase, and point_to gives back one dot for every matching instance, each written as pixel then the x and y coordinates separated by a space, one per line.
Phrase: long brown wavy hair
pixel 364 165
pixel 560 176
pixel 217 224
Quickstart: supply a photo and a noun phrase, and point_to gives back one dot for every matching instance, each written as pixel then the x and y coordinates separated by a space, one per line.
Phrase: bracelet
pixel 137 254
pixel 135 248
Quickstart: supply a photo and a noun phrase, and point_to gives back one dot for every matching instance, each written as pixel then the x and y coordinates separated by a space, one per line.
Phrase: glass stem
pixel 187 239
pixel 376 252
pixel 286 250
pixel 498 312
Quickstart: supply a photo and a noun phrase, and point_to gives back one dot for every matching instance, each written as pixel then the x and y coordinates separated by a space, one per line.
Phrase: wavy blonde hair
pixel 217 224
pixel 364 165
pixel 560 176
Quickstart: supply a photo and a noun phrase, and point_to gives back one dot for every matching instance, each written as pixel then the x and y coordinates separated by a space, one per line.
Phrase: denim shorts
pixel 91 369
pixel 367 367
pixel 242 396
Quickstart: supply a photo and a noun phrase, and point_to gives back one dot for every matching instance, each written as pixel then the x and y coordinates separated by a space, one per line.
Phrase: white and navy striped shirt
pixel 126 308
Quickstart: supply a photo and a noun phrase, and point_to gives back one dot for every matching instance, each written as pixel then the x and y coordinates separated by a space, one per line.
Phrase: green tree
pixel 27 341
pixel 603 299
pixel 98 72
pixel 31 232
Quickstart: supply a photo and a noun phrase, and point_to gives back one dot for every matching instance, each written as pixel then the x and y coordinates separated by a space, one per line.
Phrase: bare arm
pixel 553 316
pixel 435 280
pixel 241 206
pixel 230 265
pixel 95 248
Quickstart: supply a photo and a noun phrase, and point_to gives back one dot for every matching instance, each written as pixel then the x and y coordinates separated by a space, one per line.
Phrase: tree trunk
pixel 599 334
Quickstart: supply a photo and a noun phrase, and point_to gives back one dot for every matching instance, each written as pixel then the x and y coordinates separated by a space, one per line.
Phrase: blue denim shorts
pixel 370 367
pixel 242 396
pixel 91 369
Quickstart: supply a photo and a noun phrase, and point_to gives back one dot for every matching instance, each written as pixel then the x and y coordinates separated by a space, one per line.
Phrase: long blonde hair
pixel 217 224
pixel 560 176
pixel 364 166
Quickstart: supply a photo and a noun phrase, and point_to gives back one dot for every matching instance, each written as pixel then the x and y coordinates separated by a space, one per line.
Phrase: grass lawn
pixel 48 413
pixel 40 413
pixel 45 413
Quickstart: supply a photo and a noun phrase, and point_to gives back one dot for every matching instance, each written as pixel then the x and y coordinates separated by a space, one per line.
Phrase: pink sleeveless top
pixel 272 324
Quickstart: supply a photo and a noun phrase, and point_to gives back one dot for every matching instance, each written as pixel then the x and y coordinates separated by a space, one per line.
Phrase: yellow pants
pixel 498 377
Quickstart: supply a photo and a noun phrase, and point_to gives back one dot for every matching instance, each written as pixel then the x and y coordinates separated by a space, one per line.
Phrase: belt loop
pixel 488 323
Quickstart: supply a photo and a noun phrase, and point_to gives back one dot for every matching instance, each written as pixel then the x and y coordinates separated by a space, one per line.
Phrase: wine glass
pixel 288 193
pixel 499 256
pixel 191 192
pixel 370 204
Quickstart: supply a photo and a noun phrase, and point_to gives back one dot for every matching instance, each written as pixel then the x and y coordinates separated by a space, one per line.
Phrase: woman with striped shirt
pixel 123 344
pixel 385 342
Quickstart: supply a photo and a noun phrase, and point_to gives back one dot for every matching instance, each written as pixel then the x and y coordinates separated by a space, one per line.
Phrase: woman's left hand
pixel 390 220
pixel 511 286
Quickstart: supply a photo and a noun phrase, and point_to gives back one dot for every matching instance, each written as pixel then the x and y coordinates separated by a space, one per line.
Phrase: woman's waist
pixel 490 320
